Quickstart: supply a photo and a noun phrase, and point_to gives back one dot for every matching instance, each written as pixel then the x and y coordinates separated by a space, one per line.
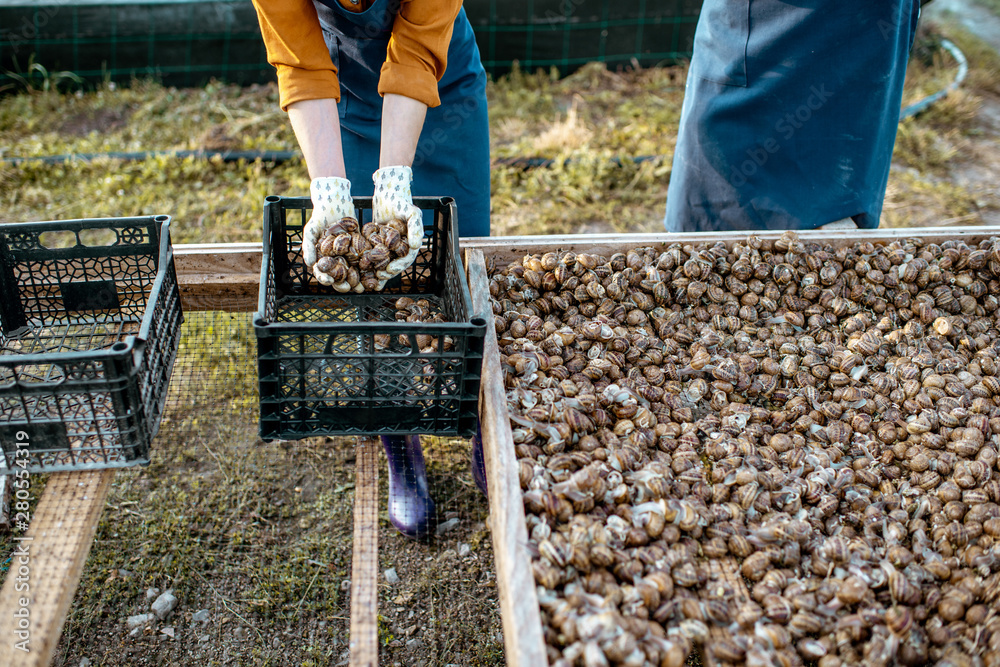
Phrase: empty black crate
pixel 340 364
pixel 90 316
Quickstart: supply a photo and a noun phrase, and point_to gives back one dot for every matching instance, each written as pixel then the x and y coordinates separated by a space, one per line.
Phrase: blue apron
pixel 453 153
pixel 790 113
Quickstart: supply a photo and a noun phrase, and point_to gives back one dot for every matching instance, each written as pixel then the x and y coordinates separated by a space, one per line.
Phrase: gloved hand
pixel 331 200
pixel 393 200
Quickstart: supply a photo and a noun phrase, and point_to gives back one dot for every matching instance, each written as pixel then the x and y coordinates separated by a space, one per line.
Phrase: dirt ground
pixel 977 164
pixel 254 541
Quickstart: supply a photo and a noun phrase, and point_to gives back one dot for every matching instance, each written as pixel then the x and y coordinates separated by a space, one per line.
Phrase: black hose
pixel 533 162
pixel 925 103
pixel 277 157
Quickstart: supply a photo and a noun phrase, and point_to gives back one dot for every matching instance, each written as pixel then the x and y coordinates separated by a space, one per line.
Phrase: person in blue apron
pixel 789 115
pixel 387 98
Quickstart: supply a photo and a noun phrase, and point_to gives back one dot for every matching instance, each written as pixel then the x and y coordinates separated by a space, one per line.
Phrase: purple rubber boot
pixel 411 509
pixel 478 461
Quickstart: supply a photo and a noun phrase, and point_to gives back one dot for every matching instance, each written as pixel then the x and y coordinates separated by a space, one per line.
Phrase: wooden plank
pixel 364 562
pixel 54 550
pixel 225 276
pixel 506 249
pixel 218 276
pixel 726 571
pixel 524 643
pixel 206 293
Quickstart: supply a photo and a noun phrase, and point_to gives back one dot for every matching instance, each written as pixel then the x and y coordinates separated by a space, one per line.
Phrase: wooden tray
pixel 523 638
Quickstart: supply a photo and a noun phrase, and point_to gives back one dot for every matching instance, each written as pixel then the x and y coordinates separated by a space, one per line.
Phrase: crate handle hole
pixel 119 346
pixel 61 238
pixel 478 321
pixel 97 237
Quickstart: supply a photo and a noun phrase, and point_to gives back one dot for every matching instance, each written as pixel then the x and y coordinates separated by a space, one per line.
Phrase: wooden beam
pixel 5 487
pixel 218 276
pixel 364 561
pixel 506 249
pixel 225 276
pixel 524 643
pixel 56 546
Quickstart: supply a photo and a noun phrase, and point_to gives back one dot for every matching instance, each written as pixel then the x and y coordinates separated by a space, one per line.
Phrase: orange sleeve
pixel 296 48
pixel 418 49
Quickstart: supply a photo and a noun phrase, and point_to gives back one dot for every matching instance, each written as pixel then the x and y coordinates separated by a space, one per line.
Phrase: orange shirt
pixel 415 61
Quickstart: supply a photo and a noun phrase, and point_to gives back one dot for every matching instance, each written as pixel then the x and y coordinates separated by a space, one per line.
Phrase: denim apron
pixel 453 153
pixel 790 113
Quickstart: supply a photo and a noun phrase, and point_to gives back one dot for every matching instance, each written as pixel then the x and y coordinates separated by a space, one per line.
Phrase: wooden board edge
pixel 364 561
pixel 524 642
pixel 225 276
pixel 511 248
pixel 57 544
pixel 6 482
pixel 218 276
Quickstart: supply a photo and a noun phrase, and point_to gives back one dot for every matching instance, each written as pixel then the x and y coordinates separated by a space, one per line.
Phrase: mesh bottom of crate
pixel 78 336
pixel 331 381
pixel 82 420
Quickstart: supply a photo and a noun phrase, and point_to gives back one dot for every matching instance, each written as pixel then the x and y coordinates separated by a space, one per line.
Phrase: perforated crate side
pixel 161 331
pixel 459 309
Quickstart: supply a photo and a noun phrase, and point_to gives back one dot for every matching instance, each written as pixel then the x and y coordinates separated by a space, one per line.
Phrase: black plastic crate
pixel 323 362
pixel 90 317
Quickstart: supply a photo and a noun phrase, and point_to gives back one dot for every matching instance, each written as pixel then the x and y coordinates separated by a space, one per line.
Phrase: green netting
pixel 186 43
pixel 566 34
pixel 179 43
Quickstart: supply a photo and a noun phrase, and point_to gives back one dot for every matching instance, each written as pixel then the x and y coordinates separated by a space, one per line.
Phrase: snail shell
pixel 326 246
pixel 325 264
pixel 374 259
pixel 348 224
pixel 369 281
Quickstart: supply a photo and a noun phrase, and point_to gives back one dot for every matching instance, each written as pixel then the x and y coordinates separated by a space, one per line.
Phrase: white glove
pixel 331 200
pixel 393 200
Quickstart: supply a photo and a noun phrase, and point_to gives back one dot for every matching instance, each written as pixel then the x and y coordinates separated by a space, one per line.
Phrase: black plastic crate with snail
pixel 335 363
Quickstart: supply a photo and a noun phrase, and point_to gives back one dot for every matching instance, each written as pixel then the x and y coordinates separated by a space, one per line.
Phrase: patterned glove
pixel 331 200
pixel 393 200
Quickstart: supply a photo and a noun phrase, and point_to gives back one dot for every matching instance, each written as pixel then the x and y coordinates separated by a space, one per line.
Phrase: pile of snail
pixel 823 421
pixel 351 253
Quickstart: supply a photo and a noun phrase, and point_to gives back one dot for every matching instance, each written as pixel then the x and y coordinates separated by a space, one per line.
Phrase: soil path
pixel 978 171
pixel 975 18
